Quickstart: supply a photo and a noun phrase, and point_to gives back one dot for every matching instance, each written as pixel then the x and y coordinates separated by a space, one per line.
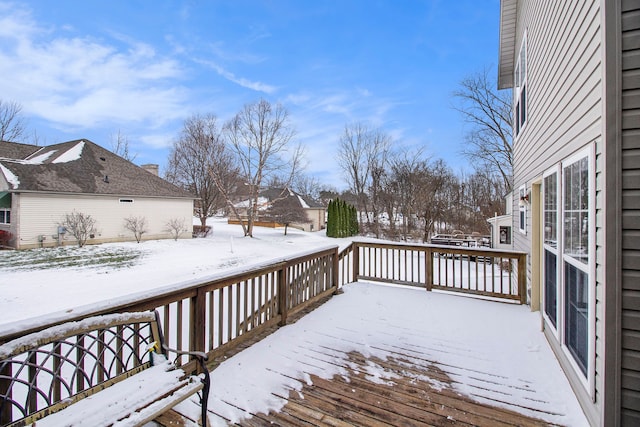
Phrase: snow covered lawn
pixel 31 286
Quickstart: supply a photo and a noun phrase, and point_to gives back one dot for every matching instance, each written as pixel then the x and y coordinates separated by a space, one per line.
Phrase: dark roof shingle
pixel 81 166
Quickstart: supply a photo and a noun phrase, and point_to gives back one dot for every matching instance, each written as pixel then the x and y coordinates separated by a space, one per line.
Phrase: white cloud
pixel 81 82
pixel 246 83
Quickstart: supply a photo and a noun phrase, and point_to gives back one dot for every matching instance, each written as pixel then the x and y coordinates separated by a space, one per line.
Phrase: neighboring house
pixel 316 212
pixel 40 185
pixel 574 68
pixel 502 227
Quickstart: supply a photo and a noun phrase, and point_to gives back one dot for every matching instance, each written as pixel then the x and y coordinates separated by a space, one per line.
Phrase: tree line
pixel 404 194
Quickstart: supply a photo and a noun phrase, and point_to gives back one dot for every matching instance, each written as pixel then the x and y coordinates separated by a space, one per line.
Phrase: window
pixel 550 246
pixel 5 207
pixel 523 199
pixel 5 216
pixel 567 259
pixel 520 88
pixel 505 235
pixel 576 242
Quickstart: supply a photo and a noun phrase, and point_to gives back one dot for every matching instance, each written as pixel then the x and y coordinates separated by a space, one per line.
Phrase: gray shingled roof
pixel 13 150
pixel 274 193
pixel 55 168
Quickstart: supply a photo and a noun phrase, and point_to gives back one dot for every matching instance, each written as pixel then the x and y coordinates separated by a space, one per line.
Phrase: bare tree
pixel 137 225
pixel 260 136
pixel 488 111
pixel 287 211
pixel 362 155
pixel 200 162
pixel 432 197
pixel 79 225
pixel 120 146
pixel 12 124
pixel 327 193
pixel 406 180
pixel 176 227
pixel 308 186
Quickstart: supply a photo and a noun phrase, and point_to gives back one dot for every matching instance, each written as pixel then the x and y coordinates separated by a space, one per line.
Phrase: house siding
pixel 564 90
pixel 39 215
pixel 630 201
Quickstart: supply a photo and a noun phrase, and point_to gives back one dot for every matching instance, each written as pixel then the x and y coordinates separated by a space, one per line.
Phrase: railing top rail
pixel 183 289
pixel 445 248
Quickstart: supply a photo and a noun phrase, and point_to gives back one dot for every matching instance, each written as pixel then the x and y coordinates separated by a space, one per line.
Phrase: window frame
pixel 568 263
pixel 557 171
pixel 587 267
pixel 507 234
pixel 520 80
pixel 3 217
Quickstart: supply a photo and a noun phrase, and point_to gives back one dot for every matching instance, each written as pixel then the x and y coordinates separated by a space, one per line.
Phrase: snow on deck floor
pixel 481 339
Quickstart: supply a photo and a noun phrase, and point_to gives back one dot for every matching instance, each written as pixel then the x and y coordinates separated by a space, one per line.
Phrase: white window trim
pixel 3 217
pixel 556 251
pixel 589 381
pixel 520 82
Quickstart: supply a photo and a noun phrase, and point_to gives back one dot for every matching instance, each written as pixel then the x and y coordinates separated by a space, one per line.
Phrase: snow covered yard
pixel 493 352
pixel 31 286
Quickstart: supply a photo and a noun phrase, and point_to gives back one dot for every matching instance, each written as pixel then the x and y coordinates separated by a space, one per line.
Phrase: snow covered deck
pixel 390 355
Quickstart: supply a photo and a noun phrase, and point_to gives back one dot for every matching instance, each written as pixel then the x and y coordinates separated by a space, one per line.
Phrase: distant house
pixel 39 185
pixel 502 227
pixel 316 212
pixel 574 69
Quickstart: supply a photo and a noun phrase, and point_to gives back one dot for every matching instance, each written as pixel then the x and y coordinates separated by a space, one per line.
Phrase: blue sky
pixel 88 69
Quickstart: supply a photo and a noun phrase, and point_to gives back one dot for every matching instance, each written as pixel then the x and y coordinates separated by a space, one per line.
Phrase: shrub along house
pixel 40 185
pixel 574 68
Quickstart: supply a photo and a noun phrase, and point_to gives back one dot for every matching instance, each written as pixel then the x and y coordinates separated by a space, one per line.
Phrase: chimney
pixel 151 168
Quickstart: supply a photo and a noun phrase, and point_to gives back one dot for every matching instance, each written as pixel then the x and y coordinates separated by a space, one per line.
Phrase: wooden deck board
pixel 412 393
pixel 444 382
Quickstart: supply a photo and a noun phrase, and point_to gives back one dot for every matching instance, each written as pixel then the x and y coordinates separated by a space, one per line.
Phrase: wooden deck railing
pixel 223 312
pixel 216 314
pixel 480 271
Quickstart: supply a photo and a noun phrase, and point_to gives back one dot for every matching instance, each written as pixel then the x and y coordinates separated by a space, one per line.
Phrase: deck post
pixel 335 272
pixel 522 278
pixel 356 263
pixel 283 292
pixel 428 269
pixel 197 322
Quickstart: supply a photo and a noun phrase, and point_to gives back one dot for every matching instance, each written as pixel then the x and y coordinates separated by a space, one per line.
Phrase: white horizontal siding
pixel 40 215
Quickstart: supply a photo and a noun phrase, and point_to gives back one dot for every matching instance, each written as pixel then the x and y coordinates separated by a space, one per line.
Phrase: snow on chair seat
pixel 104 370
